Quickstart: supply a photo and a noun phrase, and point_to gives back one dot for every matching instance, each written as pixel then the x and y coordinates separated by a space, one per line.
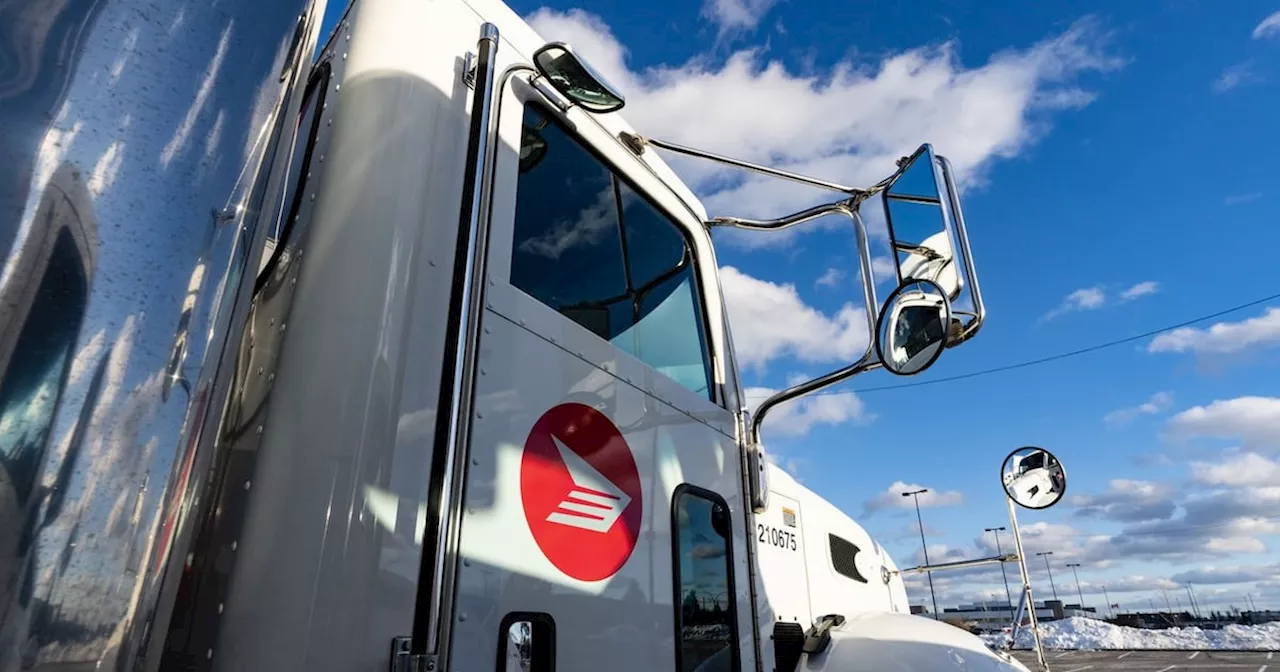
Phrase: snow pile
pixel 1088 633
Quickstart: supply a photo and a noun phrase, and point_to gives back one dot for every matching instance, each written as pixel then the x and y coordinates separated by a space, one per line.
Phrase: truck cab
pixel 482 408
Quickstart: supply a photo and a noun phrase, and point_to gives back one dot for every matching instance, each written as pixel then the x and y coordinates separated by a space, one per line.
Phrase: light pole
pixel 1073 566
pixel 1007 594
pixel 1046 555
pixel 914 495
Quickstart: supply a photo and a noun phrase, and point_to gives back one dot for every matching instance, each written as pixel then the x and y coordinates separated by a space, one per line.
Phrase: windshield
pixel 1032 461
pixel 918 327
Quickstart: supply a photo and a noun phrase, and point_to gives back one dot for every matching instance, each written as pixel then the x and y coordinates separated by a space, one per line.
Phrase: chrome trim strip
pixel 464 317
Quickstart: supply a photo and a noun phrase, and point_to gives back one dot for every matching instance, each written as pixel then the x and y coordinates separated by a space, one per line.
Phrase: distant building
pixel 992 615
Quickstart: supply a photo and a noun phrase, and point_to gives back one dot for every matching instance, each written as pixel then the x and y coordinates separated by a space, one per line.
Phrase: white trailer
pixel 478 407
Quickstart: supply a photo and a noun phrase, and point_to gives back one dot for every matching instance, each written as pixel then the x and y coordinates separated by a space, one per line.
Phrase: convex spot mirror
pixel 1033 478
pixel 912 327
pixel 575 80
pixel 915 205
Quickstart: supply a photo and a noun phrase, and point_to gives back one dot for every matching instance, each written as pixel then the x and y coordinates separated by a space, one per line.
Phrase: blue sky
pixel 1113 172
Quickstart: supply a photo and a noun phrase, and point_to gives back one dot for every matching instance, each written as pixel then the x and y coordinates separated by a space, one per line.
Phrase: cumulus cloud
pixel 797 417
pixel 1223 338
pixel 771 320
pixel 830 278
pixel 1157 403
pixel 1244 469
pixel 848 123
pixel 1127 500
pixel 1268 27
pixel 884 270
pixel 892 498
pixel 1253 420
pixel 1223 575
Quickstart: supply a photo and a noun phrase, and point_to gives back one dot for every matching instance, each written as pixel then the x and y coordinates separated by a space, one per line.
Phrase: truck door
pixel 603 519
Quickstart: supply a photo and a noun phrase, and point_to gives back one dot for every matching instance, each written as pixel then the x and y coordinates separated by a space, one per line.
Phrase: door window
pixel 706 632
pixel 592 247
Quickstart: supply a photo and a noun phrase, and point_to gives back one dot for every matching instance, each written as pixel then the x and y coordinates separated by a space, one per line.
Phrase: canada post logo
pixel 580 490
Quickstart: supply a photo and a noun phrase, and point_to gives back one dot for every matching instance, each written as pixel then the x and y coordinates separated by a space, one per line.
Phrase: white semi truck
pixel 453 385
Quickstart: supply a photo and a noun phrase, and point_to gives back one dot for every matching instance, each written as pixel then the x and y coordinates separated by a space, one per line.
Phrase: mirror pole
pixel 970 271
pixel 1026 588
pixel 865 363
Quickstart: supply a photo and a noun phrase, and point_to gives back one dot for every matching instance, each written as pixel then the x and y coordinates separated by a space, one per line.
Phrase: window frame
pixel 535 618
pixel 313 103
pixel 712 354
pixel 735 640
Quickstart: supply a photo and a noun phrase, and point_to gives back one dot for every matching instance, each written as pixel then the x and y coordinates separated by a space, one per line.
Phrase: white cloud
pixel 737 14
pixel 884 270
pixel 1234 76
pixel 770 320
pixel 1237 199
pixel 1087 298
pixel 1253 420
pixel 1157 403
pixel 1223 338
pixel 1128 501
pixel 1226 575
pixel 798 416
pixel 1139 290
pixel 892 498
pixel 1269 27
pixel 830 277
pixel 1092 298
pixel 1245 469
pixel 849 123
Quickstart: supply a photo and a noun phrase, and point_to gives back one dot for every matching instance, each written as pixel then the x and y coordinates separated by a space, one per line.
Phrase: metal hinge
pixel 404 660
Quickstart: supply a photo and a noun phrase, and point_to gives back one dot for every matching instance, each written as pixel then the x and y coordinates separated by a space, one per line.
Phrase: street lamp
pixel 1008 595
pixel 1073 566
pixel 914 495
pixel 1191 594
pixel 1046 555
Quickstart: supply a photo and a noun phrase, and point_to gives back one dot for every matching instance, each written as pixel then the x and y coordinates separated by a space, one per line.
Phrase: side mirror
pixel 913 327
pixel 1033 478
pixel 575 80
pixel 916 211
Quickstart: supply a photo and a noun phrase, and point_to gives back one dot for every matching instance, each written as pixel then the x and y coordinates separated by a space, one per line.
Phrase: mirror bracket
pixel 469 70
pixel 550 92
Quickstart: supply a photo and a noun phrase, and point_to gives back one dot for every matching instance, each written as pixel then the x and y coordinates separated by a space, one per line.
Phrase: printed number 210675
pixel 776 537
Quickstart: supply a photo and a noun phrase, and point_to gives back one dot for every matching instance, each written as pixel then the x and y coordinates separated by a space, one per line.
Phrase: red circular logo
pixel 581 492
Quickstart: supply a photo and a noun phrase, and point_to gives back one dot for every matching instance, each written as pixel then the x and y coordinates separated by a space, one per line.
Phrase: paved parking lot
pixel 1155 661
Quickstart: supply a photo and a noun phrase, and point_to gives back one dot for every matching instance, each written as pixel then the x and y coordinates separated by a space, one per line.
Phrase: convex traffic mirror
pixel 1033 478
pixel 912 327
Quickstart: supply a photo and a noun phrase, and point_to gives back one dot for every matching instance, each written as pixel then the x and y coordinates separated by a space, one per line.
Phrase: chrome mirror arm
pixel 970 270
pixel 636 144
pixel 868 361
pixel 787 221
